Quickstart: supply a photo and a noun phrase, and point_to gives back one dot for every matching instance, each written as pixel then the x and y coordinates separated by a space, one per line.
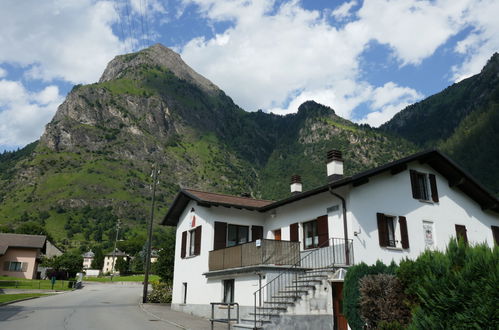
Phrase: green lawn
pixel 131 278
pixel 11 297
pixel 7 282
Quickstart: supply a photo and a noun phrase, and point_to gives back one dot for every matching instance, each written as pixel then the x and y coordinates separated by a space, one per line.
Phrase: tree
pixel 69 262
pixel 32 228
pixel 122 265
pixel 166 258
pixel 98 261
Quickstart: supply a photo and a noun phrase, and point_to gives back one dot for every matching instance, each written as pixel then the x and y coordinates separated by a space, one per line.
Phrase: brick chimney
pixel 334 165
pixel 296 186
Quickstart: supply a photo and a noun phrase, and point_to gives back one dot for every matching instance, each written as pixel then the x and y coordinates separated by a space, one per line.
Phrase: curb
pixel 19 300
pixel 141 305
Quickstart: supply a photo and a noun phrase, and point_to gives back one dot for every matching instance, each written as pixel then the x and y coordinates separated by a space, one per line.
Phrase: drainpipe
pixel 345 228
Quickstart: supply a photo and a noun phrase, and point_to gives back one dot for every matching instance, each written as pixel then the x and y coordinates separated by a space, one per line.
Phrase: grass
pixel 131 278
pixel 4 298
pixel 7 282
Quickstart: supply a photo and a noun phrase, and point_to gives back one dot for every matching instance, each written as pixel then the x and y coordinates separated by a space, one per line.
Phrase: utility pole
pixel 113 264
pixel 154 174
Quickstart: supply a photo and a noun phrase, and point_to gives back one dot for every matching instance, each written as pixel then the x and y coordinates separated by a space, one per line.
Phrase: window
pixel 424 186
pixel 237 235
pixel 315 233
pixel 392 231
pixel 15 266
pixel 461 233
pixel 310 235
pixel 228 291
pixel 495 234
pixel 184 292
pixel 192 240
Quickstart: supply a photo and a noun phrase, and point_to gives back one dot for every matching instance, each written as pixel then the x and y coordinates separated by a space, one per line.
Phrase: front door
pixel 340 322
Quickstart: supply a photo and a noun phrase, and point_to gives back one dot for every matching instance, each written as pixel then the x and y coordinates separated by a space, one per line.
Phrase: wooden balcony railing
pixel 269 252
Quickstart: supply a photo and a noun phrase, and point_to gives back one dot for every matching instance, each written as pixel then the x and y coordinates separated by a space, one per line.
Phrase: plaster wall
pixel 392 195
pixel 20 255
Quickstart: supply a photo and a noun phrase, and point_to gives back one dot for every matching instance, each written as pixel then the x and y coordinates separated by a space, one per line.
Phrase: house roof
pixel 21 241
pixel 209 199
pixel 118 253
pixel 456 176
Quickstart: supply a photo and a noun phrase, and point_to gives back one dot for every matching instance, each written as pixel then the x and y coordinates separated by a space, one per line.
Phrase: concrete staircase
pixel 301 296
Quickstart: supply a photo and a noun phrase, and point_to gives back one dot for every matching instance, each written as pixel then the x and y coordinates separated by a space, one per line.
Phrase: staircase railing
pixel 330 253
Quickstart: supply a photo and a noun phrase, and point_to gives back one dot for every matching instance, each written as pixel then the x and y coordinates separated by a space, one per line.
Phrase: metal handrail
pixel 294 268
pixel 228 319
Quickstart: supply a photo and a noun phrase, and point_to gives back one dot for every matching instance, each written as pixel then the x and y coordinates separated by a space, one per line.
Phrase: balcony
pixel 268 252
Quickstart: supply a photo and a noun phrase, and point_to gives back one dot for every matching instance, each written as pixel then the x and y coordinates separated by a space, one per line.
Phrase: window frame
pixel 315 238
pixel 15 269
pixel 238 240
pixel 192 242
pixel 391 225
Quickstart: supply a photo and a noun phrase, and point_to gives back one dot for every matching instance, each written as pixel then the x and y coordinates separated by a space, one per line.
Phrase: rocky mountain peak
pixel 161 56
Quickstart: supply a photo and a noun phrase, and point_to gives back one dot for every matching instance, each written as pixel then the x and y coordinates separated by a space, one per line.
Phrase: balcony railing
pixel 268 252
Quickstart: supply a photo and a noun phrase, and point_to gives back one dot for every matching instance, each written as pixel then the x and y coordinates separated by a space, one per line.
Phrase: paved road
pixel 96 306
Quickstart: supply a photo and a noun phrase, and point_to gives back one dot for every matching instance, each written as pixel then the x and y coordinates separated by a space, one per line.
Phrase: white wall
pixel 392 195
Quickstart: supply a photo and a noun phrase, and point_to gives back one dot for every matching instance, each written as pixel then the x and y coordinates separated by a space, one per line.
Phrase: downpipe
pixel 345 228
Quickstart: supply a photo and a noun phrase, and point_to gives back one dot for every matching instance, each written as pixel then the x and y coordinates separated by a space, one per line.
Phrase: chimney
pixel 296 187
pixel 334 165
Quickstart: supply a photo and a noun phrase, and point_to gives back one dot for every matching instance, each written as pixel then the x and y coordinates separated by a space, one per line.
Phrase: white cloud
pixel 69 40
pixel 343 11
pixel 3 73
pixel 24 114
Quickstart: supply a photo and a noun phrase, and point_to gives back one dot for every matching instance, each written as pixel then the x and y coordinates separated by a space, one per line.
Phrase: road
pixel 96 306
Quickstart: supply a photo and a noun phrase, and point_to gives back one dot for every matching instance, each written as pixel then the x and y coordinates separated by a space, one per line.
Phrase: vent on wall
pixel 333 208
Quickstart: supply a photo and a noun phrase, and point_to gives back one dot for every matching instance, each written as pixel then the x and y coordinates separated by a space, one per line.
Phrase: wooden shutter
pixel 197 241
pixel 6 265
pixel 184 244
pixel 220 239
pixel 322 231
pixel 403 232
pixel 24 266
pixel 461 233
pixel 433 187
pixel 416 193
pixel 495 233
pixel 256 232
pixel 293 232
pixel 382 229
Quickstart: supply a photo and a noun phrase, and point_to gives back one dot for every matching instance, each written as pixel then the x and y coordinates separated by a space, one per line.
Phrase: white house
pixel 88 257
pixel 110 260
pixel 284 261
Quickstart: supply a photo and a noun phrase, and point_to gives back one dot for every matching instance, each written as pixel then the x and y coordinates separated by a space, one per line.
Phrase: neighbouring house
pixel 154 255
pixel 20 254
pixel 88 257
pixel 110 261
pixel 284 261
pixel 51 250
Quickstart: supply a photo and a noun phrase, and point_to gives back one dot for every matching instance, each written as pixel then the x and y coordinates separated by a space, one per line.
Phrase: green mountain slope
pixel 462 121
pixel 92 165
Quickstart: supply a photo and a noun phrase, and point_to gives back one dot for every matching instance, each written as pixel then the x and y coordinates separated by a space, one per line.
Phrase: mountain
pixel 92 164
pixel 462 121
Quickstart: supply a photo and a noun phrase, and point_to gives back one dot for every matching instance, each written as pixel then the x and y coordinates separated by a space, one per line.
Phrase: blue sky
pixel 365 59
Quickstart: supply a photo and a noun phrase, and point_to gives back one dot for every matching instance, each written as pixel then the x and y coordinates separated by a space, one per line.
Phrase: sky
pixel 365 59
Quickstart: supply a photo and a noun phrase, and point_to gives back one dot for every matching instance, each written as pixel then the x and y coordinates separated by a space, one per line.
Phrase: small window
pixel 392 231
pixel 461 233
pixel 15 266
pixel 228 291
pixel 184 293
pixel 192 241
pixel 310 234
pixel 237 235
pixel 391 225
pixel 424 186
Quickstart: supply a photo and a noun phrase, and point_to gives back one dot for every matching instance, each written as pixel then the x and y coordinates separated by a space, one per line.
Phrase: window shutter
pixel 197 241
pixel 403 232
pixel 293 232
pixel 382 229
pixel 24 266
pixel 184 244
pixel 256 232
pixel 322 231
pixel 495 233
pixel 6 265
pixel 414 185
pixel 433 186
pixel 461 233
pixel 220 240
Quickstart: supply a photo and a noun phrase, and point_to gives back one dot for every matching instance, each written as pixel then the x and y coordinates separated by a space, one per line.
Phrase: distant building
pixel 88 257
pixel 20 254
pixel 52 251
pixel 154 255
pixel 110 261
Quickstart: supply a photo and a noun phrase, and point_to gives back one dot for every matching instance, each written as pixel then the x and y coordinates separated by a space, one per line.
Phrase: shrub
pixel 351 295
pixel 161 293
pixel 382 301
